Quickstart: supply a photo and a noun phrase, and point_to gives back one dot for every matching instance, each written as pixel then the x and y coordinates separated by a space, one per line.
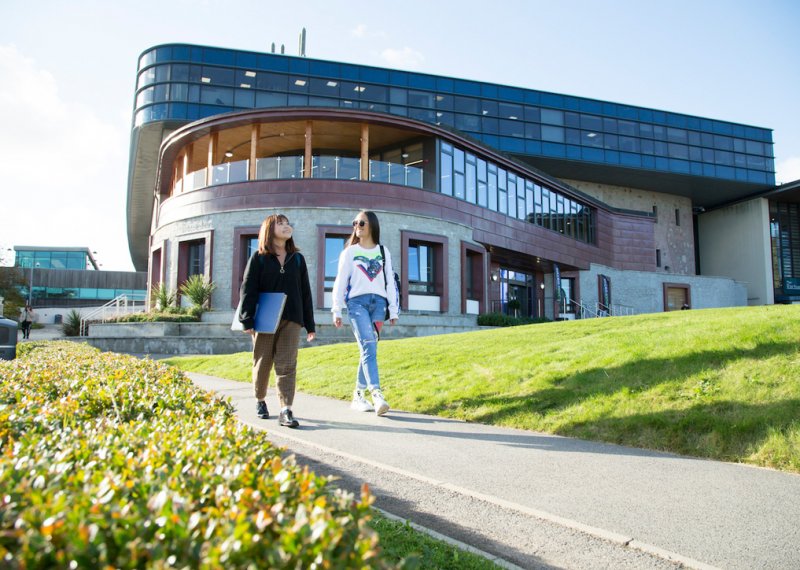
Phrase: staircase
pixel 119 305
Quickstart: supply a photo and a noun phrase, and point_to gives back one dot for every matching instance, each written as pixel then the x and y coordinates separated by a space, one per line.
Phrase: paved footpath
pixel 540 501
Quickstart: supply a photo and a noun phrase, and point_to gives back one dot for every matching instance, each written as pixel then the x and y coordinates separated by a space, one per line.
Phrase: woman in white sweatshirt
pixel 365 285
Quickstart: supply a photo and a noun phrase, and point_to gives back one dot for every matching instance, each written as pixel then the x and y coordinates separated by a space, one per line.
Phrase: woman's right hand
pixel 337 322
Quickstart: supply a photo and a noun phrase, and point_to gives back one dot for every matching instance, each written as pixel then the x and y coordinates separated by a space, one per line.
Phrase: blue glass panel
pixel 771 178
pixel 490 140
pixel 697 168
pixel 219 56
pixel 646 115
pixel 193 112
pixel 180 53
pixel 741 174
pixel 573 152
pixel 246 59
pixel 323 68
pixel 533 147
pixel 532 97
pixel 593 154
pixel 463 87
pixel 625 112
pixel 572 103
pixel 163 54
pixel 676 120
pixel 178 111
pixel 147 58
pixel 725 172
pixel 659 117
pixel 421 81
pixel 512 145
pixel 299 66
pixel 399 78
pixel 374 75
pixel 612 156
pixel 676 165
pixel 738 131
pixel 630 159
pixel 552 100
pixel 273 62
pixel 488 90
pixel 709 170
pixel 662 163
pixel 609 109
pixel 511 94
pixel 648 162
pixel 349 72
pixel 196 54
pixel 589 106
pixel 444 84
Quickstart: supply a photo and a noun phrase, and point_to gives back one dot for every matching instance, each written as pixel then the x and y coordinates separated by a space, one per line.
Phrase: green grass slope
pixel 717 383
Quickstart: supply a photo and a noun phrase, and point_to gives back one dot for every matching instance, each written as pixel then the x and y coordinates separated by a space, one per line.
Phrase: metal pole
pixel 30 288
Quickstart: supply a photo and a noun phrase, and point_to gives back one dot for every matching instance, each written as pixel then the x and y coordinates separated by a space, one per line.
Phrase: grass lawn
pixel 716 383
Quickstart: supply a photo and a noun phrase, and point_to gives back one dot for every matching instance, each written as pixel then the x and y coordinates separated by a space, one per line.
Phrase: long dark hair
pixel 374 228
pixel 266 235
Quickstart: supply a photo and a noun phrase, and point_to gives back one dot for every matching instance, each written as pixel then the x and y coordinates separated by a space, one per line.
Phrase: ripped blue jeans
pixel 363 311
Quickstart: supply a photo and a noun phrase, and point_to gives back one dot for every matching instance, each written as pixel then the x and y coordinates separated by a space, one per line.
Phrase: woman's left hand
pixel 311 336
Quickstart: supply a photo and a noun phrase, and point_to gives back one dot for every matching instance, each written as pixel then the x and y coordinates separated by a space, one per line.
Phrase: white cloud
pixel 65 167
pixel 787 170
pixel 360 31
pixel 403 58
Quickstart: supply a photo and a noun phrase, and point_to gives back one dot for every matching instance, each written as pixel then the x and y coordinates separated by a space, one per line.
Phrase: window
pixel 196 258
pixel 421 269
pixel 334 245
pixel 677 217
pixel 658 258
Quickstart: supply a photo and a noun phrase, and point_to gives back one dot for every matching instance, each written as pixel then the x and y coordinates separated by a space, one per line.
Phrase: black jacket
pixel 263 275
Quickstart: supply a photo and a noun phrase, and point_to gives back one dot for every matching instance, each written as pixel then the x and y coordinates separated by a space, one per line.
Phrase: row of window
pixel 53 259
pixel 785 238
pixel 86 293
pixel 251 65
pixel 210 85
pixel 470 178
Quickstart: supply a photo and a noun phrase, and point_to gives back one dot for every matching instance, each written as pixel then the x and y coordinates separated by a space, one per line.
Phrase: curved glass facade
pixel 186 83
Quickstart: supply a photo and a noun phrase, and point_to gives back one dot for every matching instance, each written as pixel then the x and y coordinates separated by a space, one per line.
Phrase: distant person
pixel 279 267
pixel 365 285
pixel 26 320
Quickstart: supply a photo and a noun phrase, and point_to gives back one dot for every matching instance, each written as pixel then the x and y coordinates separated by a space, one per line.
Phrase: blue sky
pixel 67 76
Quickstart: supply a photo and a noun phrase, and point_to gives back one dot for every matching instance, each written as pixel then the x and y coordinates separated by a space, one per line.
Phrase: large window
pixel 334 245
pixel 421 269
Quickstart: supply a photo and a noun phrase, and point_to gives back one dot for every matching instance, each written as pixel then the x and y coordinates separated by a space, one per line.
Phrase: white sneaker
pixel 381 405
pixel 360 403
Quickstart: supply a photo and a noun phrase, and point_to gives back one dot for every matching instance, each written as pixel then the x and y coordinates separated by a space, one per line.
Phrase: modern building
pixel 60 279
pixel 492 198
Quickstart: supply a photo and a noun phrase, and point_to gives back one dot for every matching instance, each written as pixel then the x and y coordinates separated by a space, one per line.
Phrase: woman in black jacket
pixel 279 267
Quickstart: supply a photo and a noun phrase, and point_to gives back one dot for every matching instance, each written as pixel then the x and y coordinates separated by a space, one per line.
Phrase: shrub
pixel 110 461
pixel 198 289
pixel 501 320
pixel 72 324
pixel 162 297
pixel 154 317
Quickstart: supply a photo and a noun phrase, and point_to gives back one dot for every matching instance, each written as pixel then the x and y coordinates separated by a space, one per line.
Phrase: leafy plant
pixel 155 317
pixel 11 282
pixel 120 462
pixel 501 320
pixel 72 324
pixel 162 297
pixel 198 289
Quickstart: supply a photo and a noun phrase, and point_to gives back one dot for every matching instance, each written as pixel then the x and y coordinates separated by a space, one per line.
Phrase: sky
pixel 68 73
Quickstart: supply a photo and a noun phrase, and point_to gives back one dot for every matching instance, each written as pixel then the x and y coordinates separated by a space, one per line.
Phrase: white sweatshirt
pixel 363 269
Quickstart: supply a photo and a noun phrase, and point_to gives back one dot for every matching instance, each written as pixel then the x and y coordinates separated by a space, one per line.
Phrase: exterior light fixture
pixel 541 285
pixel 229 154
pixel 495 276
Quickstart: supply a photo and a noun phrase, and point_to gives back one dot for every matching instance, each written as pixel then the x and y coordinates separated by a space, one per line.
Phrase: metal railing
pixel 599 310
pixel 119 305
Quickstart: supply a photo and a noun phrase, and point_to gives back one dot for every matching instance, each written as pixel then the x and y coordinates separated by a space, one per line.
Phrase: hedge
pixel 501 320
pixel 111 461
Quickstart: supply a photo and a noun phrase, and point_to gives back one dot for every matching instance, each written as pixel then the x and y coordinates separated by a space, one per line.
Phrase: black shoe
pixel 286 419
pixel 262 411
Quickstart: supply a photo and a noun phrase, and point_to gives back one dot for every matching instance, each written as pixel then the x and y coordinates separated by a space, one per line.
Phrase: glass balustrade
pixel 288 167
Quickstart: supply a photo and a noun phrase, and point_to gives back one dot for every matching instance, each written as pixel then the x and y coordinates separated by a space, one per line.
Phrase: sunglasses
pixel 359 223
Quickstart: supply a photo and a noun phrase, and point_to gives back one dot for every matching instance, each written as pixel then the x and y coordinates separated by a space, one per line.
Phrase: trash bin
pixel 8 339
pixel 57 318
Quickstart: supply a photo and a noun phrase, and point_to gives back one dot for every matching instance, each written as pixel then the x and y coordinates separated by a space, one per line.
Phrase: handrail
pixel 121 305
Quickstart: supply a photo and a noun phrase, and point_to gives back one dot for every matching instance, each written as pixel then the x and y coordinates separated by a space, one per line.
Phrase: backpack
pixel 399 297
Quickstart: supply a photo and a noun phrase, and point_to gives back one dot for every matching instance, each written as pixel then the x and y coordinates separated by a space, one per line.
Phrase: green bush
pixel 198 289
pixel 155 317
pixel 162 298
pixel 501 320
pixel 111 461
pixel 72 324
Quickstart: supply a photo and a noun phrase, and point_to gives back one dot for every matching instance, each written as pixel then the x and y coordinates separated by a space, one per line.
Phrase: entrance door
pixel 676 297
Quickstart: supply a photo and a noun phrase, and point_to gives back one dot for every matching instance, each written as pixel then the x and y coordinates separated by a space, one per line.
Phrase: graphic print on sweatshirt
pixel 370 263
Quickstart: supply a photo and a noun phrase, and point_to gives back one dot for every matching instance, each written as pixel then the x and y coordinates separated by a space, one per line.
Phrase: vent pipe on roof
pixel 303 43
pixel 273 47
pixel 283 50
